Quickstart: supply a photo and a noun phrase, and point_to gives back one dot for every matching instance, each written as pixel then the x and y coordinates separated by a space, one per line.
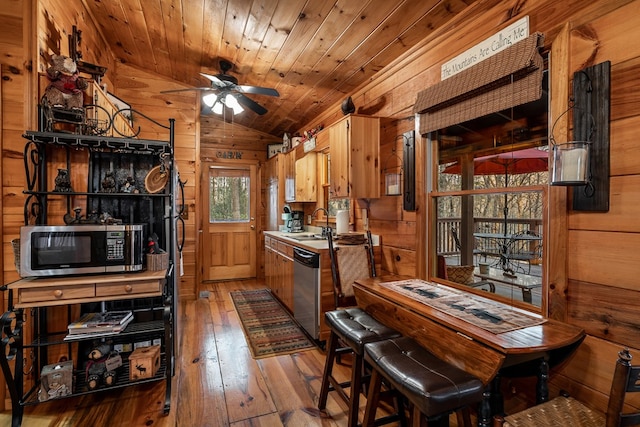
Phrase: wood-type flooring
pixel 217 382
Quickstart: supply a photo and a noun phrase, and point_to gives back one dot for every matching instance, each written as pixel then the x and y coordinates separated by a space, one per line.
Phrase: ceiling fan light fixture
pixel 218 107
pixel 210 99
pixel 231 102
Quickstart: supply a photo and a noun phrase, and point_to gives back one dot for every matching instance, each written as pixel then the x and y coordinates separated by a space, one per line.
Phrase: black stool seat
pixel 355 328
pixel 435 387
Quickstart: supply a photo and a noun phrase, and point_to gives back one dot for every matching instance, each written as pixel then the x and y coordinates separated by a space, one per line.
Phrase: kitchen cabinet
pixel 40 308
pixel 354 170
pixel 306 180
pixel 279 270
pixel 274 186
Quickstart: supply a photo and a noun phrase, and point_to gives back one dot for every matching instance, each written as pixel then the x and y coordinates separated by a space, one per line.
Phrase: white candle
pixel 573 164
pixel 393 189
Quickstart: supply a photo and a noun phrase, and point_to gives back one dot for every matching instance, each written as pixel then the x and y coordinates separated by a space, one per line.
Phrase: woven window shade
pixel 509 78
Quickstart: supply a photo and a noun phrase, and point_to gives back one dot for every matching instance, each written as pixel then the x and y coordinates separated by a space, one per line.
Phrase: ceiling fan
pixel 225 91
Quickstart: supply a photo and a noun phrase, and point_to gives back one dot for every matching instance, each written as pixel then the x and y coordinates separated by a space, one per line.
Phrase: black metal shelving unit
pixel 155 316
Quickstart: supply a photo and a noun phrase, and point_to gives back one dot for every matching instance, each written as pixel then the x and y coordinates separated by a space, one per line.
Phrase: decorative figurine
pixel 109 183
pixel 152 246
pixel 63 182
pixel 65 90
pixel 129 186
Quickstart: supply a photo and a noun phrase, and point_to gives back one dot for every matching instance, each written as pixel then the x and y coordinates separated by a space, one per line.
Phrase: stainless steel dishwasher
pixel 306 284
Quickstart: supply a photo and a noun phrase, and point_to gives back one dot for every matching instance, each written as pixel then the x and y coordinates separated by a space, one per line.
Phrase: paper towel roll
pixel 342 222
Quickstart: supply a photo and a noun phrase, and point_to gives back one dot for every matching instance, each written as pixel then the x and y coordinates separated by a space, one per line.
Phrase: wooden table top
pixel 466 344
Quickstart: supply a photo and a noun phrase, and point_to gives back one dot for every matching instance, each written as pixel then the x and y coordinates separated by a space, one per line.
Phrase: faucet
pixel 326 230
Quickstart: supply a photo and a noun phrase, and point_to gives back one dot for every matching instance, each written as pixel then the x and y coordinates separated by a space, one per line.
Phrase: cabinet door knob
pixel 58 293
pixel 128 288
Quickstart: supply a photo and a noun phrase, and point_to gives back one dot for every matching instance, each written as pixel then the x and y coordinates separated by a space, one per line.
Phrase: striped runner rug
pixel 268 327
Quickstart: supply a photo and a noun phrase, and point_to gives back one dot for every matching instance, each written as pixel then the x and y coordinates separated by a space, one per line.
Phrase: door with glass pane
pixel 229 234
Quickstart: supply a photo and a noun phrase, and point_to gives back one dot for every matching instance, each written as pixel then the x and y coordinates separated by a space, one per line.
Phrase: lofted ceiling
pixel 315 53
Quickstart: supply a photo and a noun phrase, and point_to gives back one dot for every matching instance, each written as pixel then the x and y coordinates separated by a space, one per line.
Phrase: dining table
pixel 504 241
pixel 485 337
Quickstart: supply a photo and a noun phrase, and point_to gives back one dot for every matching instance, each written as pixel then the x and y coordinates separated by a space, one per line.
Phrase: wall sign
pixel 515 32
pixel 273 149
pixel 229 154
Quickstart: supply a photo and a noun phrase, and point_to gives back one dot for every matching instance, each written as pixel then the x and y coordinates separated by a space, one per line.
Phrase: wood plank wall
pixel 13 80
pixel 602 288
pixel 142 91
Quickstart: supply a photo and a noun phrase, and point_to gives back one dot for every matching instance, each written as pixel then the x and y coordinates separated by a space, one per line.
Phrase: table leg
pixel 497 400
pixel 526 295
pixel 542 387
pixel 484 413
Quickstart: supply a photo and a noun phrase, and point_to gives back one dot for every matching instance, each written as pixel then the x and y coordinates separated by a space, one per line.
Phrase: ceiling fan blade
pixel 250 103
pixel 257 90
pixel 186 90
pixel 216 80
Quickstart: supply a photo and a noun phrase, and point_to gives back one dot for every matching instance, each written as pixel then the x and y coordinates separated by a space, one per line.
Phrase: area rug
pixel 269 328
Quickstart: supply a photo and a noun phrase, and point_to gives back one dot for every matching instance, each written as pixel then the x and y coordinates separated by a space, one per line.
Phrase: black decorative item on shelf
pixel 348 107
pixel 63 182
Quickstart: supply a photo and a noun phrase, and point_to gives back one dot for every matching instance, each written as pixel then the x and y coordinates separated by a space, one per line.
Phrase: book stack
pixel 99 324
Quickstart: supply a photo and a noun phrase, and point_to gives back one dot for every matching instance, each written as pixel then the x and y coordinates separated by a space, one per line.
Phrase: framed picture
pixel 273 149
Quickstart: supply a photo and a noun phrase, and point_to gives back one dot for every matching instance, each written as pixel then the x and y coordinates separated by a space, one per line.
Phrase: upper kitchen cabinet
pixel 300 175
pixel 354 172
pixel 306 178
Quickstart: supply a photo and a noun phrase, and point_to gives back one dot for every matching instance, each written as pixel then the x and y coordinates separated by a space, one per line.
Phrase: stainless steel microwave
pixel 52 250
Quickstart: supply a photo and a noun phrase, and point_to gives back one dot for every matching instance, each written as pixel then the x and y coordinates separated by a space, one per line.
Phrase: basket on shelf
pixel 157 262
pixel 15 244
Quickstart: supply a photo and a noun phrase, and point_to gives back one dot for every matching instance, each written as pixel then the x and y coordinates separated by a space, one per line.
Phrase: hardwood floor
pixel 217 382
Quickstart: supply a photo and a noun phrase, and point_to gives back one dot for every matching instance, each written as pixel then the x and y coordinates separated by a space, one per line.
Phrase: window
pixel 490 199
pixel 229 199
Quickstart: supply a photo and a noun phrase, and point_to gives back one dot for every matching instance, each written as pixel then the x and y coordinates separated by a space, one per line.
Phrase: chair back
pixel 626 378
pixel 456 238
pixel 348 263
pixel 525 246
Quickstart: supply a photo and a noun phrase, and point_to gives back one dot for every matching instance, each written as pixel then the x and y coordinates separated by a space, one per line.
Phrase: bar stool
pixel 354 328
pixel 433 387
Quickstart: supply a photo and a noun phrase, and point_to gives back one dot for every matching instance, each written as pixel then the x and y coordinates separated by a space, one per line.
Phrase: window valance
pixel 509 78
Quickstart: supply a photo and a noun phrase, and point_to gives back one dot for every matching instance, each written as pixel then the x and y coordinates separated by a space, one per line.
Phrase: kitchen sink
pixel 302 237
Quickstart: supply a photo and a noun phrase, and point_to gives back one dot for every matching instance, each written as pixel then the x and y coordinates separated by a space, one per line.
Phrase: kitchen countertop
pixel 314 245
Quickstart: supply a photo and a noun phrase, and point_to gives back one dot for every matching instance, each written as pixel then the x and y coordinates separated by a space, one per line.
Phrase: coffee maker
pixel 295 222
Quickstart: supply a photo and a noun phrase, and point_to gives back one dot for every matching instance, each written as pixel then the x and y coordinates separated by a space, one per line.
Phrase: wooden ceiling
pixel 314 52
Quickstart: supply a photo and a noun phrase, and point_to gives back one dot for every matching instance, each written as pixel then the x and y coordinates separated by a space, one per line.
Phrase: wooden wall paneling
pixel 625 99
pixel 624 208
pixel 607 258
pixel 554 302
pixel 588 373
pixel 625 151
pixel 142 91
pixel 55 22
pixel 605 312
pixel 400 261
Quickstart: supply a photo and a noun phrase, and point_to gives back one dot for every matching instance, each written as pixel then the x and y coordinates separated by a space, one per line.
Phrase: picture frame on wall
pixel 273 149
